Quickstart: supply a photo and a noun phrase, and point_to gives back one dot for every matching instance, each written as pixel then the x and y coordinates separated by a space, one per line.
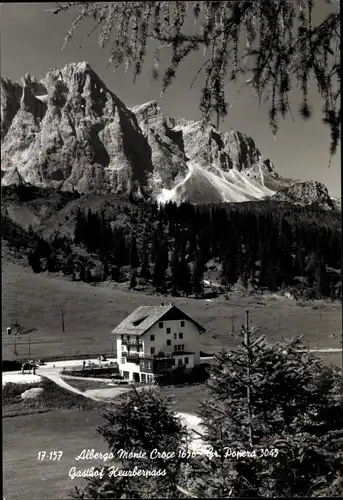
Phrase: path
pixel 52 371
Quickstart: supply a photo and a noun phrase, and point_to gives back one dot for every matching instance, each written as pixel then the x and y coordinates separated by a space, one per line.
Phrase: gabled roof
pixel 144 317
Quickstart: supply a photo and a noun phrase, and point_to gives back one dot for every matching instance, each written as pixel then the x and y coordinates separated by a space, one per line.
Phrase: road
pixel 52 370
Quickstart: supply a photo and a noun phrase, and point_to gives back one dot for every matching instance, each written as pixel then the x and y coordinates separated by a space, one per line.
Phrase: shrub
pixel 183 376
pixel 95 372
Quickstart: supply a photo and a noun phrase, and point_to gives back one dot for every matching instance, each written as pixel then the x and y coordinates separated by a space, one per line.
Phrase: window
pixel 149 365
pixel 128 337
pixel 152 338
pixel 123 360
pixel 175 336
pixel 122 336
pixel 175 347
pixel 173 361
pixel 183 347
pixel 126 375
pixel 186 361
pixel 152 350
pixel 160 324
pixel 168 342
pixel 180 335
pixel 143 377
pixel 168 330
pixel 182 323
pixel 179 362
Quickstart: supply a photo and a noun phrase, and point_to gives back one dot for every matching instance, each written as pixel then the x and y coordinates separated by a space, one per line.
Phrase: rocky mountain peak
pixel 69 131
pixel 305 193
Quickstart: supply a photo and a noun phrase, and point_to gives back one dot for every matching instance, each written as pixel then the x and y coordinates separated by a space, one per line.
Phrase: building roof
pixel 144 317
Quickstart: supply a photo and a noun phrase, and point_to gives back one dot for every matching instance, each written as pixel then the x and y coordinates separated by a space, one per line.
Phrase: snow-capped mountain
pixel 70 132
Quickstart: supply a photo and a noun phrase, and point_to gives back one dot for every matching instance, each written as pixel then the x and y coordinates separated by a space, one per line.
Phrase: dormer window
pixel 182 323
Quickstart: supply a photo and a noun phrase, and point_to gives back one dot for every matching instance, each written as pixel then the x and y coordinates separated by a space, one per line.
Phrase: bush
pixel 95 372
pixel 11 390
pixel 182 376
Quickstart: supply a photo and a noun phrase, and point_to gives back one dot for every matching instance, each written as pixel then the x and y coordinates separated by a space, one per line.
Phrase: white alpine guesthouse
pixel 154 339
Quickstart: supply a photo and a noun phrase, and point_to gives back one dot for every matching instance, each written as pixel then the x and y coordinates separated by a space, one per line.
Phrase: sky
pixel 32 40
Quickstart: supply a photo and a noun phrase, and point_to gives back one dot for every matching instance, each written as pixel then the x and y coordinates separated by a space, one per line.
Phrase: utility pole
pixel 29 354
pixel 62 313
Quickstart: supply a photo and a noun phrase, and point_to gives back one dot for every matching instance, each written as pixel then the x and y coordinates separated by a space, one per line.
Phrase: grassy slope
pixel 67 430
pixel 54 397
pixel 36 300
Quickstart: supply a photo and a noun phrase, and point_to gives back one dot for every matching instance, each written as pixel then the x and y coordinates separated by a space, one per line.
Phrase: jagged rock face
pixel 167 154
pixel 76 135
pixel 306 193
pixel 70 132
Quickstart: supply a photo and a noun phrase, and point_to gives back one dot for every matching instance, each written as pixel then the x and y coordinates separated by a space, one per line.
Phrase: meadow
pixel 70 431
pixel 36 301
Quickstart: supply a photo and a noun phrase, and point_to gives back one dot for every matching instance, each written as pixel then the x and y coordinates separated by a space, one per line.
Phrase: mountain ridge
pixel 70 132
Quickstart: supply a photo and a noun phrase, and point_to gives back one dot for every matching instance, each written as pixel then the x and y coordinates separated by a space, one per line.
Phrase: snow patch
pixel 42 98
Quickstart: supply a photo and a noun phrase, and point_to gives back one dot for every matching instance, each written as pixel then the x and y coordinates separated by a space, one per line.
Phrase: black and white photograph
pixel 171 249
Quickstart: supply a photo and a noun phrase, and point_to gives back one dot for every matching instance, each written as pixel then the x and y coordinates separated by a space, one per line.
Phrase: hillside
pixel 35 302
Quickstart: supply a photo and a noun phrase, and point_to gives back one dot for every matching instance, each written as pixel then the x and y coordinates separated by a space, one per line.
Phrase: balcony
pixel 132 357
pixel 162 355
pixel 133 343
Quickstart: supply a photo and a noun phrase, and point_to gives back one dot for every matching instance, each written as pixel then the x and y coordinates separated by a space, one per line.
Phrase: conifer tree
pixel 160 267
pixel 274 398
pixel 273 44
pixel 145 265
pixel 133 253
pixel 185 277
pixel 83 276
pixel 198 273
pixel 175 271
pixel 133 280
pixel 140 423
pixel 34 261
pixel 80 227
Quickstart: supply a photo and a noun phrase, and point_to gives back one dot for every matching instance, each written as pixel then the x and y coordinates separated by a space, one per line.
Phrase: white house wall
pixel 190 340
